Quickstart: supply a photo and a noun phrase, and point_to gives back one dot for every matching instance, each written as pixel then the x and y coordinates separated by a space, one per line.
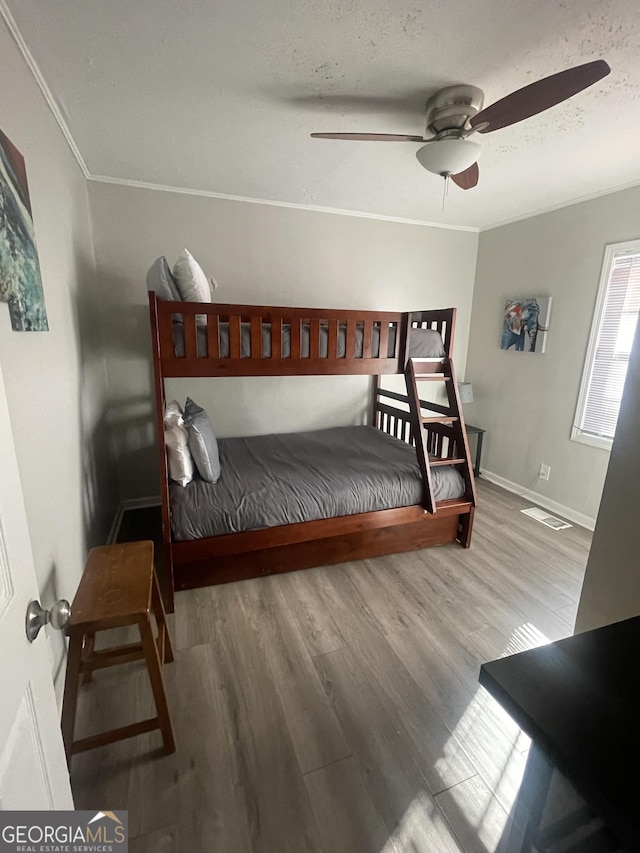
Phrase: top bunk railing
pixel 213 339
pixel 201 339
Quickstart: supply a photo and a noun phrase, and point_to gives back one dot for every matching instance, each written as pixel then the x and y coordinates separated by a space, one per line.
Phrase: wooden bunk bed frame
pixel 439 438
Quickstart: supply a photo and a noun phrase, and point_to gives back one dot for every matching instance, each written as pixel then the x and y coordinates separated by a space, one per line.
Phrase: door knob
pixel 57 616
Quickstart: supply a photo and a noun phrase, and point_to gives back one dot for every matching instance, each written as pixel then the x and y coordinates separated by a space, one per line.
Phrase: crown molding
pixel 44 88
pixel 144 185
pixel 562 204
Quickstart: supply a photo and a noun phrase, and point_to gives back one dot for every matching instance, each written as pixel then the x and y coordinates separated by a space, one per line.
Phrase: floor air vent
pixel 544 518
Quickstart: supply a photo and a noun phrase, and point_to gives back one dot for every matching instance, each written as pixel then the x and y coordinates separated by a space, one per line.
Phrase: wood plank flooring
pixel 337 710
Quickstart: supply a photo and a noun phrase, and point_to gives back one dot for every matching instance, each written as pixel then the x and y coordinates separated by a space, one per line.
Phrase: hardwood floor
pixel 337 710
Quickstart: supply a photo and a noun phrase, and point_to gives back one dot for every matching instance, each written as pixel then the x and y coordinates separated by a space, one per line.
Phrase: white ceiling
pixel 221 96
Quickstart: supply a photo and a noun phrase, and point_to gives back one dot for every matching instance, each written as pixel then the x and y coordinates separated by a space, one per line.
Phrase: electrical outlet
pixel 545 471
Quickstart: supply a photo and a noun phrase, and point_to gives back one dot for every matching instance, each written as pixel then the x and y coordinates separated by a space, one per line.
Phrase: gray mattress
pixel 423 343
pixel 269 480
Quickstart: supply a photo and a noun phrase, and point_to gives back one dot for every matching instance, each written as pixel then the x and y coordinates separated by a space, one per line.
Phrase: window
pixel 612 334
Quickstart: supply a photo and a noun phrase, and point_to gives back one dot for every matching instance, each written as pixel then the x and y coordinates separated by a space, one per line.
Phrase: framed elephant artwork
pixel 525 324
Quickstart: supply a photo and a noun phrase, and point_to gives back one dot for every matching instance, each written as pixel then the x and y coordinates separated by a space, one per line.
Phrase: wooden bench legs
pixel 70 699
pixel 83 659
pixel 87 653
pixel 154 665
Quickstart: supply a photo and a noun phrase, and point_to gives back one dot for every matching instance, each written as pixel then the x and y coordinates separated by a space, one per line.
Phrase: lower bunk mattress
pixel 270 480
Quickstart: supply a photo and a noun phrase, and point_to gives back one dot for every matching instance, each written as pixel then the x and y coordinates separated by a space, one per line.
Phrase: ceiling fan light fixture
pixel 448 156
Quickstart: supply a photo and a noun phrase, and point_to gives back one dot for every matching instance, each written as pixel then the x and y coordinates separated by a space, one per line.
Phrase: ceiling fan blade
pixel 467 179
pixel 370 137
pixel 540 96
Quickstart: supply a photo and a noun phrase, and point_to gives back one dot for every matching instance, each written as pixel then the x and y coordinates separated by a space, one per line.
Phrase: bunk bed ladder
pixel 451 415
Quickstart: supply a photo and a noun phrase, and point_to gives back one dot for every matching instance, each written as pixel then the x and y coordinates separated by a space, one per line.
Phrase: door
pixel 33 770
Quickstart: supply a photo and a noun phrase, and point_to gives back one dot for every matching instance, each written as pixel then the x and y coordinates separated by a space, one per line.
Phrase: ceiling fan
pixel 455 112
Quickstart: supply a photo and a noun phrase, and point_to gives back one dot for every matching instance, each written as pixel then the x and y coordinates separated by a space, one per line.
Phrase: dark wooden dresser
pixel 579 701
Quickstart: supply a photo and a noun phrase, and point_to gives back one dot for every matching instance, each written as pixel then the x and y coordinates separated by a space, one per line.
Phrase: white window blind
pixel 612 336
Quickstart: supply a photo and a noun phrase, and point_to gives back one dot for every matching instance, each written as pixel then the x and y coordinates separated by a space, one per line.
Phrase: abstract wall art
pixel 525 324
pixel 20 280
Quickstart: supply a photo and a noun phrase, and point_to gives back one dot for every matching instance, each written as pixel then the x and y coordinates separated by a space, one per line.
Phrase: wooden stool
pixel 119 587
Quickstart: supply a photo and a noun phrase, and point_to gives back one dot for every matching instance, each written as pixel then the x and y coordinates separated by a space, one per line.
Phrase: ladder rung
pixel 446 461
pixel 432 377
pixel 440 420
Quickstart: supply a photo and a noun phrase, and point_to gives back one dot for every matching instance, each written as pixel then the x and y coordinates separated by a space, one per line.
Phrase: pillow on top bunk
pixel 425 343
pixel 202 441
pixel 159 278
pixel 193 284
pixel 177 441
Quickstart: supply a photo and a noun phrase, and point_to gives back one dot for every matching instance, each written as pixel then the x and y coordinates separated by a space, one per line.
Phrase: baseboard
pixel 540 500
pixel 132 503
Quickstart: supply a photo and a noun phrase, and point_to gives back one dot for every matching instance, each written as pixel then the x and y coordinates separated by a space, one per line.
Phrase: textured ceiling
pixel 221 96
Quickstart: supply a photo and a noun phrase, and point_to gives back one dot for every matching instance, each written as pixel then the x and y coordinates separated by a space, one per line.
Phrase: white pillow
pixel 193 284
pixel 177 440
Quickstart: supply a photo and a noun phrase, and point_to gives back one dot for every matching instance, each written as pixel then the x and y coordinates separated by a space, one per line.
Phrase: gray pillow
pixel 425 343
pixel 202 441
pixel 160 279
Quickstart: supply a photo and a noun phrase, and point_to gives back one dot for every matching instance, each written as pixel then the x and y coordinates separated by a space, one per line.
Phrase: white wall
pixel 56 380
pixel 259 254
pixel 527 401
pixel 611 589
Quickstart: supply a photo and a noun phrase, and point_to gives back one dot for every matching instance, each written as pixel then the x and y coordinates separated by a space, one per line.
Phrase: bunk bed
pixel 212 340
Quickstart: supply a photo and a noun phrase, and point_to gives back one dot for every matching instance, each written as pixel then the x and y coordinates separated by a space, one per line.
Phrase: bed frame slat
pixel 256 337
pixel 384 339
pixel 332 343
pixel 276 338
pixel 314 338
pixel 234 336
pixel 190 344
pixel 367 338
pixel 213 339
pixel 350 339
pixel 295 325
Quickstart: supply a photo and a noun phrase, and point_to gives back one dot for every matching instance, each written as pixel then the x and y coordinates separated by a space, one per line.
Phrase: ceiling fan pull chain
pixel 445 190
